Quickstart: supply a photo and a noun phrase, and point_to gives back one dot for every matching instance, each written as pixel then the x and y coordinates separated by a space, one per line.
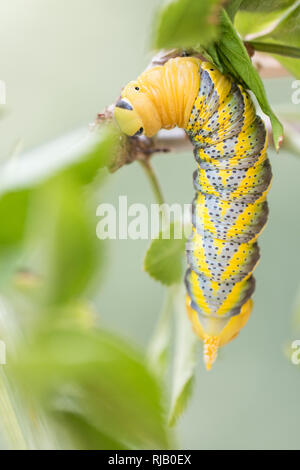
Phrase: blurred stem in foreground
pixel 160 341
pixel 9 420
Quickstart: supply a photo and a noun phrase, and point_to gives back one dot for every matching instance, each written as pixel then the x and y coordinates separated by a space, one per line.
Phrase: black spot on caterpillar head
pixel 139 132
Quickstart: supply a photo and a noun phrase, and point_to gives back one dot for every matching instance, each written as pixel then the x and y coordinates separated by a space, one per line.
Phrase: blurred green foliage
pixel 275 29
pixel 163 260
pixel 286 34
pixel 185 359
pixel 179 25
pixel 266 6
pixel 83 378
pixel 185 23
pixel 73 381
pixel 91 377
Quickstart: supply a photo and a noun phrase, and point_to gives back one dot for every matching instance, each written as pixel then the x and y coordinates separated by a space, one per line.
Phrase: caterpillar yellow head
pixel 127 118
pixel 136 113
pixel 161 97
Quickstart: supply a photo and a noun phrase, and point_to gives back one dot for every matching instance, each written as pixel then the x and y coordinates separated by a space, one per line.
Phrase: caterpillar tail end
pixel 210 350
pixel 217 334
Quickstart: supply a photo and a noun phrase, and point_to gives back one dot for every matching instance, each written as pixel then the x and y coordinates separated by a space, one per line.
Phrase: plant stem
pixel 153 181
pixel 281 49
pixel 160 341
pixel 8 416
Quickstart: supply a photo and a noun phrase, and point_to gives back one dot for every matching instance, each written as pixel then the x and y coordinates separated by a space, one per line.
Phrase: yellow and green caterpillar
pixel 232 180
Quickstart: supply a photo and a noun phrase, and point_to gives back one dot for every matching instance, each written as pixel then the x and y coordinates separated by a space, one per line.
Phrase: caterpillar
pixel 232 180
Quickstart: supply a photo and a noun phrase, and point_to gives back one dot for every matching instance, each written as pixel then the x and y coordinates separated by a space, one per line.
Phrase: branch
pixel 142 148
pixel 153 181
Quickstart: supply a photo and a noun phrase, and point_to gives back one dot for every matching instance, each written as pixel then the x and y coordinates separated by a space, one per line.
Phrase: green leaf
pixel 236 61
pixel 60 218
pixel 287 34
pixel 292 65
pixel 287 30
pixel 100 380
pixel 292 137
pixel 64 233
pixel 253 23
pixel 184 361
pixel 280 49
pixel 232 8
pixel 82 153
pixel 99 153
pixel 283 24
pixel 83 434
pixel 11 431
pixel 284 40
pixel 163 260
pixel 14 208
pixel 254 17
pixel 186 23
pixel 214 57
pixel 13 214
pixel 265 5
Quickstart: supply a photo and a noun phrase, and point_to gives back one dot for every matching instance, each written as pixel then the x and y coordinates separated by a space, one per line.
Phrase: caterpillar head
pixel 135 112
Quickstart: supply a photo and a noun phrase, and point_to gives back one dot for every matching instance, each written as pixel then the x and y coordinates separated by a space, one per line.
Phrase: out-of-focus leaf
pixel 232 7
pixel 265 5
pixel 280 49
pixel 292 65
pixel 64 234
pixel 13 215
pixel 256 16
pixel 287 31
pixel 83 434
pixel 95 375
pixel 284 38
pixel 82 153
pixel 99 154
pixel 186 23
pixel 9 424
pixel 61 223
pixel 292 140
pixel 252 23
pixel 163 260
pixel 47 211
pixel 184 361
pixel 235 59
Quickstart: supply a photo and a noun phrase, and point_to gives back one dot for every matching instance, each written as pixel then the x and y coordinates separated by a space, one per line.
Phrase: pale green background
pixel 62 62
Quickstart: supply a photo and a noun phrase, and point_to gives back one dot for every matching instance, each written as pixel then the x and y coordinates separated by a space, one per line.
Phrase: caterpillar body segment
pixel 231 181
